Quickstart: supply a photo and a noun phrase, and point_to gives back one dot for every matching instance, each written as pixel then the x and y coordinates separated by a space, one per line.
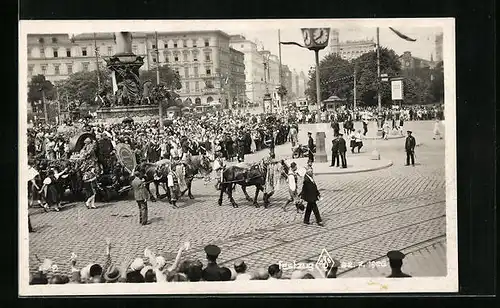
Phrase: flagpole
pixel 378 72
pixel 279 48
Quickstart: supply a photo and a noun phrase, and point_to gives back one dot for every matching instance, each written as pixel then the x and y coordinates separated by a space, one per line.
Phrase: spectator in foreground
pixel 212 271
pixel 241 270
pixel 308 276
pixel 274 271
pixel 225 274
pixel 396 262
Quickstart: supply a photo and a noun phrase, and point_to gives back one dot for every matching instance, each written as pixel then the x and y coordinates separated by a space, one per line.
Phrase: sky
pixel 266 33
pixel 302 59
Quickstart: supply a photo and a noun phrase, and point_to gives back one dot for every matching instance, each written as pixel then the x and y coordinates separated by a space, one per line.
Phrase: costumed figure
pixel 219 166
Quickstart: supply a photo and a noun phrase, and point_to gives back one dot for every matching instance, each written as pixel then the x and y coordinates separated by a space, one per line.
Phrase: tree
pixel 35 87
pixel 168 77
pixel 83 86
pixel 335 78
pixel 282 91
pixel 368 84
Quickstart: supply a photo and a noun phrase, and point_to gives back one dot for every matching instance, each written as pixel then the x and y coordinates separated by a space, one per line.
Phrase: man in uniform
pixel 342 147
pixel 335 152
pixel 213 271
pixel 141 195
pixel 311 146
pixel 410 149
pixel 396 262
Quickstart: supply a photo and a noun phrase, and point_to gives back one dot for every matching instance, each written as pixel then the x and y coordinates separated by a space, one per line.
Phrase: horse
pixel 255 175
pixel 157 173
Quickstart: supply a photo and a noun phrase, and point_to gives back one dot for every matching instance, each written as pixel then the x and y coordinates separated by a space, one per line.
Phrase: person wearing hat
pixel 335 151
pixel 342 150
pixel 112 274
pixel 241 270
pixel 274 271
pixel 396 262
pixel 141 196
pixel 331 270
pixel 311 147
pixel 410 149
pixel 311 195
pixel 212 272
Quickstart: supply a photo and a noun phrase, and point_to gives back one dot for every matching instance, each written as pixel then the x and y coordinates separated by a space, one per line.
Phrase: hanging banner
pixel 397 89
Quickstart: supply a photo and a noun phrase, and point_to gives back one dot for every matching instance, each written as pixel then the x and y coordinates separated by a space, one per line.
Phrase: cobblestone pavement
pixel 366 215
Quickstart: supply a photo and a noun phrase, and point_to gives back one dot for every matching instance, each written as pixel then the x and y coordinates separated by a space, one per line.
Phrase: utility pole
pixel 160 109
pixel 280 77
pixel 45 107
pixel 318 91
pixel 379 97
pixel 355 96
pixel 97 65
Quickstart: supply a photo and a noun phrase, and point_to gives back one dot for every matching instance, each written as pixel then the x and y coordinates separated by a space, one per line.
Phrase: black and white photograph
pixel 204 156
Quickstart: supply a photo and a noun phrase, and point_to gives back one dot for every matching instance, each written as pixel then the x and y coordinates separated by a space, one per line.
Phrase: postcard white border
pixel 332 286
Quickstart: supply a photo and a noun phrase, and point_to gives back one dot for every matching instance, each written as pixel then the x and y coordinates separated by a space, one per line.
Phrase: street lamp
pixel 316 39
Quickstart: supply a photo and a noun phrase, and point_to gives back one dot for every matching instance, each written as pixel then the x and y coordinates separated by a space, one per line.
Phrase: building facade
pixel 408 62
pixel 202 58
pixel 286 80
pixel 237 77
pixel 334 41
pixel 350 50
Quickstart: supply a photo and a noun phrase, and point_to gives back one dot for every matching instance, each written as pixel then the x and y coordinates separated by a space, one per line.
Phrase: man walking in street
pixel 335 152
pixel 311 146
pixel 410 149
pixel 141 195
pixel 310 194
pixel 342 147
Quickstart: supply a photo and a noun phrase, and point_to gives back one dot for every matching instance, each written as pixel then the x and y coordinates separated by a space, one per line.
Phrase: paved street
pixel 366 215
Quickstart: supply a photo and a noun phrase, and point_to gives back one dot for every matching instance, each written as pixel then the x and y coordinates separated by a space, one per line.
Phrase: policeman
pixel 311 146
pixel 212 272
pixel 410 149
pixel 396 262
pixel 331 270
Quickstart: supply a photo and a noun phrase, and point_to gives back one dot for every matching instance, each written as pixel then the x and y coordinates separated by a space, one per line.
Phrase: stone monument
pixel 125 67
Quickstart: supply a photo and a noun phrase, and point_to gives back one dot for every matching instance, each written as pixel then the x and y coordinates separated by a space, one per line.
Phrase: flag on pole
pixel 113 78
pixel 291 43
pixel 401 35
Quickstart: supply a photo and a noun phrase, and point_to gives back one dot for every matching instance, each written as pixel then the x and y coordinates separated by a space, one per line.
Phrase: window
pixel 42 52
pixel 135 49
pixel 154 59
pixel 207 43
pixel 165 55
pixel 185 43
pixel 54 40
pixel 110 50
pixel 175 45
pixel 70 68
pixel 85 66
pixel 84 51
pixel 197 86
pixel 44 69
pixel 68 52
pixel 209 72
pixel 55 53
pixel 30 69
pixel 187 87
pixel 165 45
pixel 154 46
pixel 195 44
pixel 186 72
pixel 207 57
pixel 185 57
pixel 195 71
pixel 56 69
pixel 176 59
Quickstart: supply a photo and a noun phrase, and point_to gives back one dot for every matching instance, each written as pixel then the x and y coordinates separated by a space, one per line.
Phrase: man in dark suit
pixel 410 149
pixel 396 262
pixel 310 194
pixel 335 152
pixel 336 128
pixel 342 147
pixel 311 146
pixel 213 271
